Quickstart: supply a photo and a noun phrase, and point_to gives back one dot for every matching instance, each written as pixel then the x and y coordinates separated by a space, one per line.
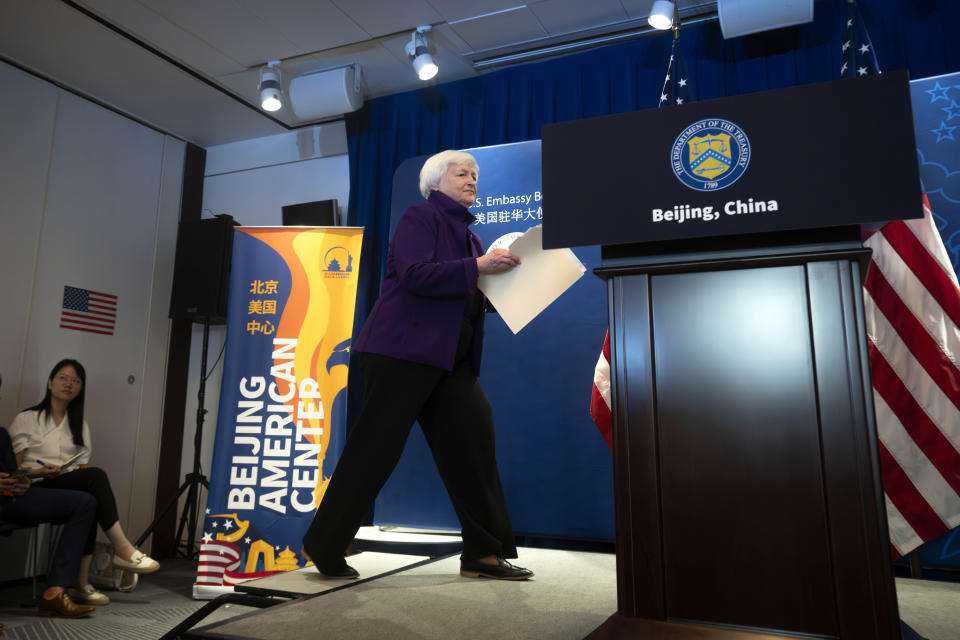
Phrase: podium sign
pixel 821 155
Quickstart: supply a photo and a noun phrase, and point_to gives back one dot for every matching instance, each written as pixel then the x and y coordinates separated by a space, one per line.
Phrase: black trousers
pixel 74 510
pixel 94 481
pixel 457 421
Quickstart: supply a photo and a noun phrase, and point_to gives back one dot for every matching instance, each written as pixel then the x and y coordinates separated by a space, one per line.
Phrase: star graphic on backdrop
pixel 227 524
pixel 850 22
pixel 683 82
pixel 862 71
pixel 953 111
pixel 207 537
pixel 843 68
pixel 207 512
pixel 214 524
pixel 679 100
pixel 247 540
pixel 943 132
pixel 663 97
pixel 846 45
pixel 937 89
pixel 864 48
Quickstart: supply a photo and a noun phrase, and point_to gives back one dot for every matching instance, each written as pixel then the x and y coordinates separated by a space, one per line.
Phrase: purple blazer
pixel 430 273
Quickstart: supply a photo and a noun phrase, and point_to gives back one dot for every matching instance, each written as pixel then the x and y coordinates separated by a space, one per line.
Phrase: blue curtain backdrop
pixel 511 105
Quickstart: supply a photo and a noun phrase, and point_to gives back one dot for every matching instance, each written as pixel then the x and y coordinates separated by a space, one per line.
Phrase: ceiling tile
pixel 379 18
pixel 637 8
pixel 460 9
pixel 313 25
pixel 121 74
pixel 229 27
pixel 499 29
pixel 152 28
pixel 566 16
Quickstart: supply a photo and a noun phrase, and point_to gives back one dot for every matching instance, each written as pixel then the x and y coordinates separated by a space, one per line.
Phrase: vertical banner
pixel 282 414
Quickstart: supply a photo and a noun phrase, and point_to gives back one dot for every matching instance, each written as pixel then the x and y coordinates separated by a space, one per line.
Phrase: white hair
pixel 437 165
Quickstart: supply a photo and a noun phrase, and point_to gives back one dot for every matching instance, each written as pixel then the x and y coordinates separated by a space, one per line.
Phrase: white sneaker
pixel 88 595
pixel 139 562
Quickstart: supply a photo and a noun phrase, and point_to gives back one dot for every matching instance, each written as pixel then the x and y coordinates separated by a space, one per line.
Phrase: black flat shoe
pixel 502 571
pixel 343 571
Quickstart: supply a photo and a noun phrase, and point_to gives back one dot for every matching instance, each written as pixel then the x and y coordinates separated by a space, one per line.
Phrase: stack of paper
pixel 521 293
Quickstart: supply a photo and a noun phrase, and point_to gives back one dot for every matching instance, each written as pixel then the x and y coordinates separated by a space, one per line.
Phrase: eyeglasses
pixel 65 379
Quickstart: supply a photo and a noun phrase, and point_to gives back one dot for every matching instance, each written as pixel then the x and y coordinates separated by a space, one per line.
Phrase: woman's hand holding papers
pixel 497 260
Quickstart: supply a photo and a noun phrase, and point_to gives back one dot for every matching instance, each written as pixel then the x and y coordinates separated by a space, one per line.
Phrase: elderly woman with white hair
pixel 419 353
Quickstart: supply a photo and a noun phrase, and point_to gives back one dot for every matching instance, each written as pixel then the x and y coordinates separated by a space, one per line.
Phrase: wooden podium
pixel 747 480
pixel 748 492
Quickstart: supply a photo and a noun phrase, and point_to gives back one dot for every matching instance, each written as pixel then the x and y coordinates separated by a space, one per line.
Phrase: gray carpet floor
pixel 571 595
pixel 404 606
pixel 159 602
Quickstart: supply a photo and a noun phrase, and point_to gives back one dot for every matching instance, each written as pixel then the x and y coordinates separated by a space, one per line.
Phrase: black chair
pixel 6 529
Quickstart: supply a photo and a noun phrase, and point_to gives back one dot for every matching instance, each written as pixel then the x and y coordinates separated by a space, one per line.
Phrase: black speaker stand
pixel 193 480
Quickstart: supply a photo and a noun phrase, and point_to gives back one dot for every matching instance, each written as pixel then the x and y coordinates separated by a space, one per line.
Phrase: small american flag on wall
pixel 85 310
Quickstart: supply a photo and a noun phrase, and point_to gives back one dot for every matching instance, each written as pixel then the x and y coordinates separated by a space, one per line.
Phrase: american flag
pixel 912 310
pixel 676 90
pixel 676 83
pixel 86 310
pixel 600 397
pixel 857 57
pixel 912 313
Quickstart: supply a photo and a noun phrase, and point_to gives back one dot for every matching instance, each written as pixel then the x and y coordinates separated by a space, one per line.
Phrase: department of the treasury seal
pixel 710 154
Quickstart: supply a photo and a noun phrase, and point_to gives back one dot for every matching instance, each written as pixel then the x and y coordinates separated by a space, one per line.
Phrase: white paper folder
pixel 521 293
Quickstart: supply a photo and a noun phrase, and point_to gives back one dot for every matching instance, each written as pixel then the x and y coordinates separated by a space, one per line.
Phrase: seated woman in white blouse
pixel 49 434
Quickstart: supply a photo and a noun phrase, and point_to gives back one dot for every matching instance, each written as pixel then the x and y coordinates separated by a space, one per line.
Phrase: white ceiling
pixel 190 67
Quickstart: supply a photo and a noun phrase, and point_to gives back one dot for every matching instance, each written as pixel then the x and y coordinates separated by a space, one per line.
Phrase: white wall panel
pixel 27 108
pixel 99 232
pixel 255 197
pixel 321 141
pixel 153 371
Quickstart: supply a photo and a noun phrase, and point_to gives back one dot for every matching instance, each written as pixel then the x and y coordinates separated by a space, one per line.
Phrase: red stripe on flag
pixel 106 333
pixel 97 315
pixel 102 310
pixel 73 318
pixel 87 315
pixel 935 446
pixel 920 343
pixel 599 409
pixel 908 500
pixel 105 295
pixel 601 416
pixel 922 264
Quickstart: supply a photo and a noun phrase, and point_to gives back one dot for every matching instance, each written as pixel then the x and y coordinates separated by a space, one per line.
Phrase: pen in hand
pixel 47 469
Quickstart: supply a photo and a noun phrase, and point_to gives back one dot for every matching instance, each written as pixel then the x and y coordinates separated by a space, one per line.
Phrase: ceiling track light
pixel 270 86
pixel 417 49
pixel 661 14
